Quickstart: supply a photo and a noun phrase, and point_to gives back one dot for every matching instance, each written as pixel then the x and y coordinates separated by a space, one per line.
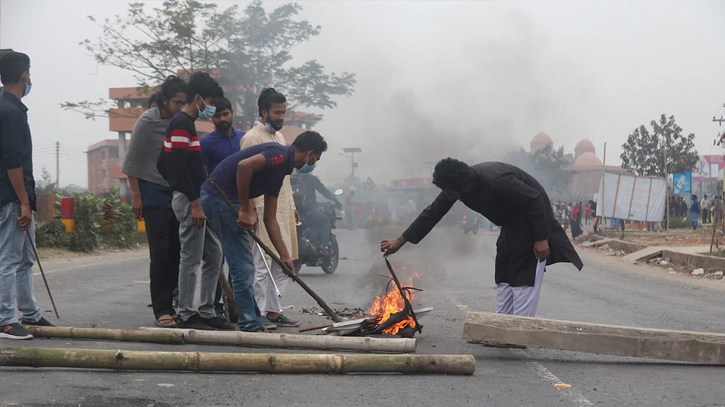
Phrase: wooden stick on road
pixel 290 273
pixel 190 336
pixel 238 362
pixel 684 346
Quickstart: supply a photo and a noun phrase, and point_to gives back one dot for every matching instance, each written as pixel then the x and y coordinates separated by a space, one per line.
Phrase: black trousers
pixel 162 229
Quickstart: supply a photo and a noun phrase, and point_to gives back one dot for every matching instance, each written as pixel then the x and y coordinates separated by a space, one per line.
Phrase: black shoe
pixel 14 331
pixel 195 322
pixel 219 324
pixel 41 322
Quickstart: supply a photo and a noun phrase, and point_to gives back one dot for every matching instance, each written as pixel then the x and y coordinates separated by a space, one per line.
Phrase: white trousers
pixel 522 301
pixel 264 293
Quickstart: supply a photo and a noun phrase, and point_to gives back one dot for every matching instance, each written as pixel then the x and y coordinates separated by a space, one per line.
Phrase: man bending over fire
pixel 530 238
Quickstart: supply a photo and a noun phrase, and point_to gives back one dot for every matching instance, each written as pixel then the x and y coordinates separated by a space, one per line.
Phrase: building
pixel 540 141
pixel 104 167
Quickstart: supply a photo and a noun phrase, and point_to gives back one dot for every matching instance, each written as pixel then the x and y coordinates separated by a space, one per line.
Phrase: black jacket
pixel 514 200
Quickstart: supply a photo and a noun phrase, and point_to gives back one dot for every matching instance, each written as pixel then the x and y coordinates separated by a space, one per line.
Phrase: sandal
pixel 166 321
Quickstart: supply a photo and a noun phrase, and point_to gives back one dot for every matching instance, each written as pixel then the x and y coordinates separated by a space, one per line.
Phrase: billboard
pixel 628 197
pixel 682 183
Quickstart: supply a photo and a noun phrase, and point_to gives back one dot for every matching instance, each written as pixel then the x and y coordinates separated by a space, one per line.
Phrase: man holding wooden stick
pixel 255 171
pixel 530 238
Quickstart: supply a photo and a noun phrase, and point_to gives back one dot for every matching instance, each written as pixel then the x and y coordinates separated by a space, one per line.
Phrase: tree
pixel 547 165
pixel 643 152
pixel 246 51
pixel 46 185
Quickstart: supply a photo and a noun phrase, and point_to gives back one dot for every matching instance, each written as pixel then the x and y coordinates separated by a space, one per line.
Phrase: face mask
pixel 270 128
pixel 27 89
pixel 307 167
pixel 208 112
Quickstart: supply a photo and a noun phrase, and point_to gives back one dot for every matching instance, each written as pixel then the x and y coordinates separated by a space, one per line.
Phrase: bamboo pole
pixel 182 336
pixel 319 342
pixel 163 335
pixel 237 362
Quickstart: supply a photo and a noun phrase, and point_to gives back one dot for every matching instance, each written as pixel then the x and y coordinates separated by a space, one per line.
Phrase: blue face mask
pixel 208 112
pixel 270 128
pixel 307 168
pixel 27 88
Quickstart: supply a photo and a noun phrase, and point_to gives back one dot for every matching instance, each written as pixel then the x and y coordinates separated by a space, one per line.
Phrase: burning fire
pixel 386 305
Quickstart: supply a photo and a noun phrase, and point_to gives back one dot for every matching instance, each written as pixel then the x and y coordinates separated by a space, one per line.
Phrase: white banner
pixel 632 198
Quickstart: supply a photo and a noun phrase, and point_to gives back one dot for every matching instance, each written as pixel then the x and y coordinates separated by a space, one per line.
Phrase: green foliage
pixel 249 48
pixel 88 214
pixel 547 165
pixel 120 226
pixel 643 152
pixel 52 234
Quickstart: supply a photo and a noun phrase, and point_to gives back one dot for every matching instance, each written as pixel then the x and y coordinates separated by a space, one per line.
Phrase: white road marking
pixel 545 374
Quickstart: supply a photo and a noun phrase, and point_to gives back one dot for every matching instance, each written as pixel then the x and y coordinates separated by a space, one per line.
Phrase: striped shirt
pixel 180 161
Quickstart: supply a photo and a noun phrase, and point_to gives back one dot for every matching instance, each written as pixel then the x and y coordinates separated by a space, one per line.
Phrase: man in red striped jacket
pixel 180 164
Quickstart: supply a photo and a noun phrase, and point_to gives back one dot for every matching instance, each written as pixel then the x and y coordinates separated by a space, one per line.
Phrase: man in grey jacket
pixel 152 197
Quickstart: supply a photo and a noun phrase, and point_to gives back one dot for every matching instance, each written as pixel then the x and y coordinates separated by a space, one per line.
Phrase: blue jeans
pixel 238 254
pixel 319 223
pixel 695 218
pixel 16 268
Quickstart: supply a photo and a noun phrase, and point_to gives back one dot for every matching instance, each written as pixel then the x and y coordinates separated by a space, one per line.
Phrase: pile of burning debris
pixel 391 314
pixel 346 313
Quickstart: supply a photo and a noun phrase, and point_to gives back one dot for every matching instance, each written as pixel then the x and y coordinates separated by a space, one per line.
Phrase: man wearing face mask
pixel 272 107
pixel 180 164
pixel 17 201
pixel 256 171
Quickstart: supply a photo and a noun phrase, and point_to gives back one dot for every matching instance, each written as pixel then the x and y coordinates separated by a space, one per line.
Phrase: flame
pixel 386 305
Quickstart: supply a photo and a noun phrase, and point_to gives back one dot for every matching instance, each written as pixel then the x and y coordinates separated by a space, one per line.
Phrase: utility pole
pixel 352 151
pixel 121 157
pixel 57 165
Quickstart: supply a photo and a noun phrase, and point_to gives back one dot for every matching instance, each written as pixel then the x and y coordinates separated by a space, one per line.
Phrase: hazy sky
pixel 466 79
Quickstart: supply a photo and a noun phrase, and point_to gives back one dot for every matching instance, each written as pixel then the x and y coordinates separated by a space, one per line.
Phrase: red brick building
pixel 104 169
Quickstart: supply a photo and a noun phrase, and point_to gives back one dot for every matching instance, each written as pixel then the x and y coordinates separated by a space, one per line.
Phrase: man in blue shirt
pixel 252 172
pixel 215 147
pixel 224 140
pixel 17 201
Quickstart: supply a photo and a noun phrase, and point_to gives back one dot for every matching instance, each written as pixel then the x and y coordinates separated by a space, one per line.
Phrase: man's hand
pixel 197 214
pixel 288 262
pixel 389 247
pixel 297 218
pixel 24 219
pixel 137 206
pixel 247 218
pixel 541 250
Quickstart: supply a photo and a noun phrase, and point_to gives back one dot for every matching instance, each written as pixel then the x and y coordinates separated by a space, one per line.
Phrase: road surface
pixel 456 272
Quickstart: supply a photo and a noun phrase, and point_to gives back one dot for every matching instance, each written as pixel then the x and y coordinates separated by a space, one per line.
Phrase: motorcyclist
pixel 307 206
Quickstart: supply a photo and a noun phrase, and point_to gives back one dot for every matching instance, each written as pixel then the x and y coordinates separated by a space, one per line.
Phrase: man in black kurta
pixel 530 238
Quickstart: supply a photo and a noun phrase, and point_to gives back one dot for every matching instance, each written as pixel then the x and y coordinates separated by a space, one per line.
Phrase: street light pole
pixel 352 151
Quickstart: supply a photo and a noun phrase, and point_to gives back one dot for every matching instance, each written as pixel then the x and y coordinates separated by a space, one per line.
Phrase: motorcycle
pixel 307 249
pixel 470 224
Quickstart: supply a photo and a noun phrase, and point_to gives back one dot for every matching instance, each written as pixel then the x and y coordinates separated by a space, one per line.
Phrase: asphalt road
pixel 456 272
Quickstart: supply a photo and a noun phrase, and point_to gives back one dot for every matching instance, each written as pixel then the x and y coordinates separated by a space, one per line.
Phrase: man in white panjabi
pixel 272 106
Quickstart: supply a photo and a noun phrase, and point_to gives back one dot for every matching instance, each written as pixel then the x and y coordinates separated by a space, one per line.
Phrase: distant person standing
pixel 17 202
pixel 705 207
pixel 717 209
pixel 695 211
pixel 588 215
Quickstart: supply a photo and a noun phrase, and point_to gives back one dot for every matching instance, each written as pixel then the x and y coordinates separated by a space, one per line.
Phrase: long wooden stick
pixel 190 336
pixel 163 335
pixel 319 342
pixel 290 273
pixel 238 362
